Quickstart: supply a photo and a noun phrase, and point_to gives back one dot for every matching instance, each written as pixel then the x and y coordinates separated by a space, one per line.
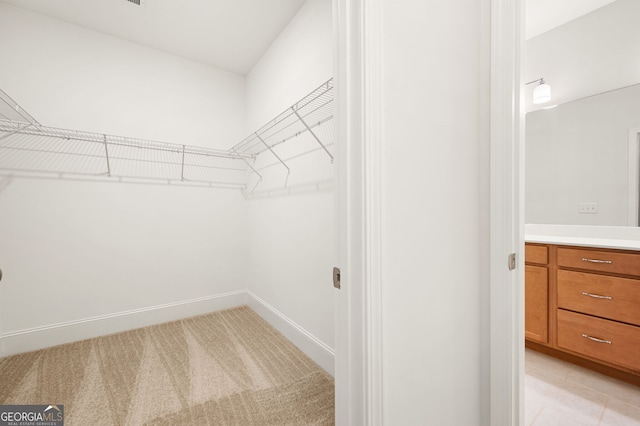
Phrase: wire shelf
pixel 296 147
pixel 36 149
pixel 311 111
pixel 303 130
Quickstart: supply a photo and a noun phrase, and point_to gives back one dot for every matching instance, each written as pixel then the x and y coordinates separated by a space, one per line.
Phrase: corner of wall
pixel 313 347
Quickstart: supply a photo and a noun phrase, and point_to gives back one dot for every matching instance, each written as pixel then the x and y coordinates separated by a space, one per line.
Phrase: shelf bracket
pixel 275 155
pixel 182 169
pixel 106 153
pixel 256 172
pixel 250 166
pixel 312 134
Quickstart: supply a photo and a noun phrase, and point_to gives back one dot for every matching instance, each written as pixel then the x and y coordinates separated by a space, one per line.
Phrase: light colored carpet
pixel 225 368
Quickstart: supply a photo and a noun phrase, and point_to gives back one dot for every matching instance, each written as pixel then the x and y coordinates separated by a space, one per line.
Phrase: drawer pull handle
pixel 586 259
pixel 597 296
pixel 595 339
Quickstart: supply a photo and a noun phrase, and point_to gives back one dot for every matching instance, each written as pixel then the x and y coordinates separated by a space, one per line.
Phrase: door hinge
pixel 512 261
pixel 336 277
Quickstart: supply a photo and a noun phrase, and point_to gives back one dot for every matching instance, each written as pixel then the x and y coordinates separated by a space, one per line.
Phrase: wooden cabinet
pixel 585 303
pixel 536 317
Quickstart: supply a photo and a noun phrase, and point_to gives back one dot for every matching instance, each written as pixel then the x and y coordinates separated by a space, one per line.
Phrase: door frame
pixel 507 213
pixel 358 83
pixel 359 52
pixel 633 215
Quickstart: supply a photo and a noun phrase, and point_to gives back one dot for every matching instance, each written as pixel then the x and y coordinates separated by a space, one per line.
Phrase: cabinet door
pixel 536 305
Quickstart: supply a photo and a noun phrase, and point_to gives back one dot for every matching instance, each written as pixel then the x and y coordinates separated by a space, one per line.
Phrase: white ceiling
pixel 233 34
pixel 543 15
pixel 228 34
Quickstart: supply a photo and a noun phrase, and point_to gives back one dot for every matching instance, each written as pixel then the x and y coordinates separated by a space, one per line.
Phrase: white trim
pixel 484 334
pixel 634 177
pixel 70 331
pixel 373 141
pixel 350 376
pixel 314 348
pixel 358 332
pixel 506 215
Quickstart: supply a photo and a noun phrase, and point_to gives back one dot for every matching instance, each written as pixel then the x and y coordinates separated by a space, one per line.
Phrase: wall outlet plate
pixel 588 208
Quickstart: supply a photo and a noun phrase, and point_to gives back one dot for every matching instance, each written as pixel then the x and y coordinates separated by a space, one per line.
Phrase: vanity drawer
pixel 601 295
pixel 536 254
pixel 599 260
pixel 598 338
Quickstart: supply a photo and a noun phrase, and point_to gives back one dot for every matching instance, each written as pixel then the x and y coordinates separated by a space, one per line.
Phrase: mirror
pixel 581 148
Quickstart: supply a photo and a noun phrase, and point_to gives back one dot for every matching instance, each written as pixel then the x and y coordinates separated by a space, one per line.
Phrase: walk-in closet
pixel 150 182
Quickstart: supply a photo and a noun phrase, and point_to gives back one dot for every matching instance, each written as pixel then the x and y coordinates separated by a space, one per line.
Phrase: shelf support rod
pixel 252 168
pixel 256 172
pixel 18 130
pixel 275 155
pixel 246 162
pixel 233 149
pixel 312 134
pixel 182 169
pixel 106 153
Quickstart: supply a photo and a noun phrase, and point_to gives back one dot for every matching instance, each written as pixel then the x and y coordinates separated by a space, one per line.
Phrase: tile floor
pixel 559 393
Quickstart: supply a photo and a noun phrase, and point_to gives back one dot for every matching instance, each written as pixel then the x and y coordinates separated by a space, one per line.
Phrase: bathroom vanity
pixel 582 193
pixel 582 297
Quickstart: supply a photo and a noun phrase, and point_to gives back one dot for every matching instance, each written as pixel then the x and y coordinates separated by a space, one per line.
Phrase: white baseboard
pixel 313 347
pixel 56 334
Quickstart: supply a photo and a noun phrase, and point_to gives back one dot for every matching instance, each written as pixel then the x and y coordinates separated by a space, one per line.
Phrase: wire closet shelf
pixel 28 148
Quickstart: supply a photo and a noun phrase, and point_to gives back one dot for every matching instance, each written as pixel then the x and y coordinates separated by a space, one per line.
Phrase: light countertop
pixel 614 237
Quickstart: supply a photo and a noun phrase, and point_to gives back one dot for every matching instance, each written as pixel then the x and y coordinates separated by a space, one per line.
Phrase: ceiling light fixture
pixel 542 92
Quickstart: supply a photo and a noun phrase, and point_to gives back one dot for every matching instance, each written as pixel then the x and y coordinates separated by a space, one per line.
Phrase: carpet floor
pixel 225 368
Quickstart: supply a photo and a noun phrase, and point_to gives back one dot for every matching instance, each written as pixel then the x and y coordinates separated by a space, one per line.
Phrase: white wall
pixel 293 237
pixel 589 55
pixel 433 214
pixel 74 250
pixel 70 77
pixel 297 62
pixel 578 153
